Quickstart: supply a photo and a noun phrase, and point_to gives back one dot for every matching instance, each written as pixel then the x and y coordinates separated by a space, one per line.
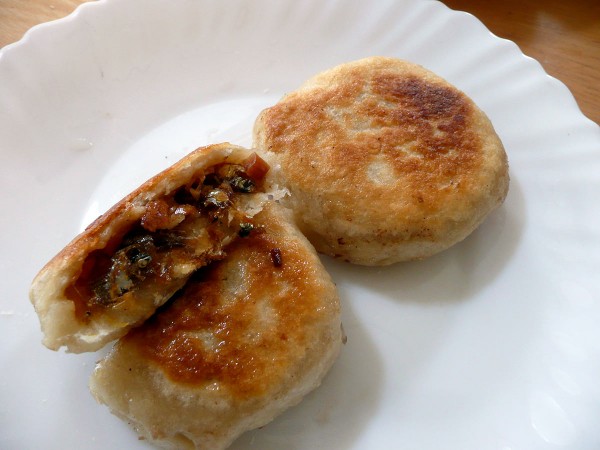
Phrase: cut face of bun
pixel 246 338
pixel 133 258
pixel 384 160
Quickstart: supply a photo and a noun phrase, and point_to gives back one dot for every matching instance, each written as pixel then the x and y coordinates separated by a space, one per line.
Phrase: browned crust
pixel 57 313
pixel 261 323
pixel 381 153
pixel 245 340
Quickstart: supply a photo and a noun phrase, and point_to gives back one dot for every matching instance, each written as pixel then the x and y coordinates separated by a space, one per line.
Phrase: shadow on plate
pixel 336 413
pixel 450 276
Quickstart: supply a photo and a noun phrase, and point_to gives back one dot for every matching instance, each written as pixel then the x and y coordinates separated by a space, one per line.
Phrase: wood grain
pixel 564 36
pixel 17 16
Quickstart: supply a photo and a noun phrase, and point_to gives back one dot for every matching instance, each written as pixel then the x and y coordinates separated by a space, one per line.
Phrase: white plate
pixel 493 344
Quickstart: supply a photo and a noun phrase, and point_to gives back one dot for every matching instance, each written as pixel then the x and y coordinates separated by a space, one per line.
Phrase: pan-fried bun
pixel 139 253
pixel 245 339
pixel 384 160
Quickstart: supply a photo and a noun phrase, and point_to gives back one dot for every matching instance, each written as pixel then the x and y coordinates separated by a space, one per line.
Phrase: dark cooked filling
pixel 176 235
pixel 245 346
pixel 141 255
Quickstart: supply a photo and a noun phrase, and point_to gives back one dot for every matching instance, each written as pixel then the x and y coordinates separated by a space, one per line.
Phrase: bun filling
pixel 176 235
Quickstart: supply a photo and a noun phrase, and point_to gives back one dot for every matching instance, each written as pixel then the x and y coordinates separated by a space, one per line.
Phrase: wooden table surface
pixel 564 36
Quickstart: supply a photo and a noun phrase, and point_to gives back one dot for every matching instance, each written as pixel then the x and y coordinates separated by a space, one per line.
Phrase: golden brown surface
pixel 264 312
pixel 243 341
pixel 64 292
pixel 384 160
pixel 562 35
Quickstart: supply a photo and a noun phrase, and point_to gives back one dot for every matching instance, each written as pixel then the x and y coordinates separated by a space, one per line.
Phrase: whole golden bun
pixel 384 160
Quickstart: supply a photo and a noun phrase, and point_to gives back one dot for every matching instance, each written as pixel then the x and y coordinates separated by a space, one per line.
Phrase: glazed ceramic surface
pixel 493 344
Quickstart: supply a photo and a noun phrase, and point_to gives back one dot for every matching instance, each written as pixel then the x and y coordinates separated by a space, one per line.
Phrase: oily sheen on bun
pixel 133 258
pixel 384 160
pixel 246 338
